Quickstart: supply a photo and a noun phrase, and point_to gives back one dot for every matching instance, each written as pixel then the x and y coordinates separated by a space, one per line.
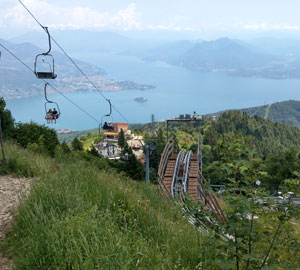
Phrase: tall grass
pixel 78 217
pixel 24 163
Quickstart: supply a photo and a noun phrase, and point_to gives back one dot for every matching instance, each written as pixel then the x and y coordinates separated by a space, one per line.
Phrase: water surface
pixel 177 91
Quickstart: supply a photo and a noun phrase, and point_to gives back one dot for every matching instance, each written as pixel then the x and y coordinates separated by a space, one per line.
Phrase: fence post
pixel 147 164
pixel 1 142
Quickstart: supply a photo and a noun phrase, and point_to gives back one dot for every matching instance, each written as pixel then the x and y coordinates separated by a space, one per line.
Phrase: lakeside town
pixel 71 84
pixel 18 82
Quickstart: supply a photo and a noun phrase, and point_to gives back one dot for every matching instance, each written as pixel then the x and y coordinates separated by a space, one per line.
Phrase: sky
pixel 202 16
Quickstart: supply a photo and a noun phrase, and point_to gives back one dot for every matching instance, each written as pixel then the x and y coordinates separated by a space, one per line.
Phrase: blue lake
pixel 177 91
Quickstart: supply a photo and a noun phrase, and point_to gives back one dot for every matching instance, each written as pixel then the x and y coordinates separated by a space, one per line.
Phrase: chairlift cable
pixel 73 62
pixel 31 14
pixel 71 101
pixel 84 74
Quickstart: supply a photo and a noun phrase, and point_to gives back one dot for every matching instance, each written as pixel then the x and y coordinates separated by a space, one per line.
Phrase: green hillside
pixel 80 217
pixel 68 137
pixel 83 215
pixel 86 212
pixel 287 112
pixel 276 144
pixel 267 136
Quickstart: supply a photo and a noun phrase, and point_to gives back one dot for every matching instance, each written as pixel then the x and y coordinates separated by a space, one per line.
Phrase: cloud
pixel 14 16
pixel 268 27
pixel 71 17
pixel 174 23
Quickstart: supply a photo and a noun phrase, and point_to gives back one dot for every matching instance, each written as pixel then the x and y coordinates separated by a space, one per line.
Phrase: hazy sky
pixel 178 15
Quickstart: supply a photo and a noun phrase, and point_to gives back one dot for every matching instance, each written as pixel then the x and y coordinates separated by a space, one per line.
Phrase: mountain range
pixel 82 41
pixel 262 57
pixel 235 57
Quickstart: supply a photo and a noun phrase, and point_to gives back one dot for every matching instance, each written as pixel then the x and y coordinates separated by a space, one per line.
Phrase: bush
pixel 39 138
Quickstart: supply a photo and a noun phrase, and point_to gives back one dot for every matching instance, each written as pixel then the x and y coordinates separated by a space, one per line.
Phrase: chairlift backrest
pixel 44 69
pixel 40 59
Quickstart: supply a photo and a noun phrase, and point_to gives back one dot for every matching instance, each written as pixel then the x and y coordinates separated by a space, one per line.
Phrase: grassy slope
pixel 267 112
pixel 78 217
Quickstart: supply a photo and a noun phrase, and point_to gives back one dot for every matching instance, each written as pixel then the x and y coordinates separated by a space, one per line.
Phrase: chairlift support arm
pixel 49 40
pixel 45 91
pixel 110 110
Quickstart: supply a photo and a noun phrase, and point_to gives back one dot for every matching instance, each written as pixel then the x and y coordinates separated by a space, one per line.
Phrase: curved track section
pixel 179 176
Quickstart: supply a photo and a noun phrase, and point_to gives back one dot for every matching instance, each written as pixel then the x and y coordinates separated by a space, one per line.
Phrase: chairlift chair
pixel 106 119
pixel 45 69
pixel 47 105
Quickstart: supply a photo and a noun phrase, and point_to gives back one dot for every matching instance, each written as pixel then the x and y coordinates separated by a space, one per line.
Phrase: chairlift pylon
pixel 40 61
pixel 50 115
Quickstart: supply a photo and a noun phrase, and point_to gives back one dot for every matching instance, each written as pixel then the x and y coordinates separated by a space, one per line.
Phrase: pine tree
pixel 77 145
pixel 121 139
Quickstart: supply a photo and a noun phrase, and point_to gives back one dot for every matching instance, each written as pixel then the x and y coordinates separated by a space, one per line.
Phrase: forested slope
pixel 267 136
pixel 287 112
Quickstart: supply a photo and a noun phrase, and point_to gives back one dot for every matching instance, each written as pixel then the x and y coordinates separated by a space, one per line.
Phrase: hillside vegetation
pixel 78 217
pixel 87 212
pixel 266 136
pixel 287 112
pixel 276 144
pixel 68 137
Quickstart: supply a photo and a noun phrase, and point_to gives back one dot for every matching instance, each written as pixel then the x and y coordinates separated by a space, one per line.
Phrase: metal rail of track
pixel 186 170
pixel 175 180
pixel 180 177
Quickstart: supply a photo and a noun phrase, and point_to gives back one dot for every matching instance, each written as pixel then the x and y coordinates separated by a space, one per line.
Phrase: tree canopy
pixel 41 138
pixel 7 120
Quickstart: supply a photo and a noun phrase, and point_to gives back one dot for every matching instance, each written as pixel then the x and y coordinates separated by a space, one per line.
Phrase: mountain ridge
pixel 232 56
pixel 286 112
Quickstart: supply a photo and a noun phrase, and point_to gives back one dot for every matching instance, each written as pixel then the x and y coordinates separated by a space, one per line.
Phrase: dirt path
pixel 9 190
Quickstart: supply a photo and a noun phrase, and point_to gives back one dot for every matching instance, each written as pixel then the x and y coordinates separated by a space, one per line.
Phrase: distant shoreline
pixel 141 87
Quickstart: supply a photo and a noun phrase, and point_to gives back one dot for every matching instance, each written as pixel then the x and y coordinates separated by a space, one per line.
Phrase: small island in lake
pixel 140 99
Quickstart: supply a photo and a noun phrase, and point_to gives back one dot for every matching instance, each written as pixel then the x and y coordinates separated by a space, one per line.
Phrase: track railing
pixel 170 148
pixel 210 199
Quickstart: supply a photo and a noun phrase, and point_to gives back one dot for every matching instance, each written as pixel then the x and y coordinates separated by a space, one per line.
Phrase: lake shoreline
pixel 177 91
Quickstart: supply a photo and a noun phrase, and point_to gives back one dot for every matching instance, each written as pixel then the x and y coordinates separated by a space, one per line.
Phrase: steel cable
pixel 29 68
pixel 73 62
